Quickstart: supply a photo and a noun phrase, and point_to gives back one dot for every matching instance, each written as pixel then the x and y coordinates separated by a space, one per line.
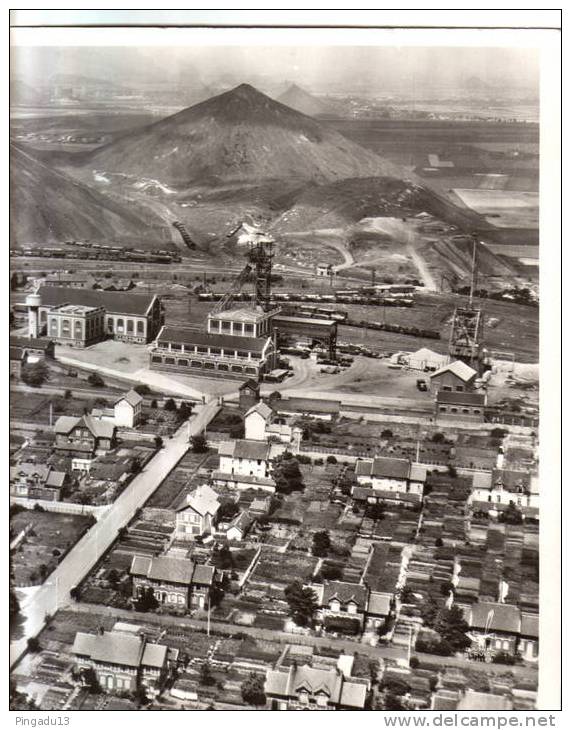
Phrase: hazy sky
pixel 344 68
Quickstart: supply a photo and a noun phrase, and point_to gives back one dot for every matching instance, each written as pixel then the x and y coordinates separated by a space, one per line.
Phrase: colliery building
pixel 237 344
pixel 80 317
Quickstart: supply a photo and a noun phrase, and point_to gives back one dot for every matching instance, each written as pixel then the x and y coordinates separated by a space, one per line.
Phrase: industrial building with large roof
pixel 128 317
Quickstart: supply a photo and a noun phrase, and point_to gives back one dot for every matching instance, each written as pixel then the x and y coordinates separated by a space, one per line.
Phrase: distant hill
pixel 475 83
pixel 22 94
pixel 47 206
pixel 302 101
pixel 239 136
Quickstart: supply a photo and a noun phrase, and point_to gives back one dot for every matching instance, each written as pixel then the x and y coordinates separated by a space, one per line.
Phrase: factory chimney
pixel 33 302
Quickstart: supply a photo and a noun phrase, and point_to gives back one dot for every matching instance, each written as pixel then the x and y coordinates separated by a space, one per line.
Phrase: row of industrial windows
pixel 465 411
pixel 224 326
pixel 120 325
pixel 184 363
pixel 203 350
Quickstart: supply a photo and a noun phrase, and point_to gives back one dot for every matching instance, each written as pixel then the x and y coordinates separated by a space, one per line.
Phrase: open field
pixel 503 208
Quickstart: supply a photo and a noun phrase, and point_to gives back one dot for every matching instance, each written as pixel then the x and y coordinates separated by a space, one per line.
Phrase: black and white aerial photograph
pixel 274 369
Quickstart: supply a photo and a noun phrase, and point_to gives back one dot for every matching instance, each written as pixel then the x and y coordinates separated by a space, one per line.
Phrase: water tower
pixel 33 302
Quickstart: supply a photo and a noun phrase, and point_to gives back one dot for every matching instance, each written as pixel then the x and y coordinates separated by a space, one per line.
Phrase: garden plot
pixel 184 478
pixel 49 537
pixel 281 569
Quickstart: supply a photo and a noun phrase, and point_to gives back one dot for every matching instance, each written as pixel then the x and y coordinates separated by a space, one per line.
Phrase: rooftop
pixel 79 310
pixel 203 500
pixel 245 449
pixel 389 468
pixel 307 405
pixel 262 408
pixel 187 336
pixel 132 397
pixel 172 570
pixel 99 428
pixel 459 369
pixel 114 302
pixel 494 617
pixel 344 593
pixel 473 700
pixel 30 343
pixel 115 647
pixel 461 399
pixel 306 320
pixel 242 314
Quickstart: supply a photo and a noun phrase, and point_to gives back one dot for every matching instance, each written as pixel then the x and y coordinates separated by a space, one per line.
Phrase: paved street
pixel 54 593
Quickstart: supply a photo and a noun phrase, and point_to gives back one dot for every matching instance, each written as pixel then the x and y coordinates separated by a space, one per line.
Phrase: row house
pixel 496 627
pixel 506 487
pixel 339 599
pixel 175 582
pixel 123 661
pixel 82 438
pixel 314 688
pixel 245 464
pixel 387 478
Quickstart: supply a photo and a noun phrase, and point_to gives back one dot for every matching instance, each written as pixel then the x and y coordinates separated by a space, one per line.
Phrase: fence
pixel 64 507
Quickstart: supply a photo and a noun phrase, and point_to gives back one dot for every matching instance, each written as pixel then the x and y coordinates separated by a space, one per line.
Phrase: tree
pixel 14 605
pixel 386 433
pixel 375 511
pixel 302 603
pixel 142 389
pixel 158 443
pixel 407 595
pixel 154 403
pixel 199 443
pixel 452 628
pixel 146 601
pixel 36 374
pixel 184 411
pixel 227 511
pixel 414 662
pixel 512 515
pixel 287 474
pixel 206 678
pixel 428 611
pixel 170 405
pixel 275 395
pixel 452 471
pixel 95 380
pixel 331 459
pixel 331 572
pixel 113 577
pixel 321 544
pixel 34 645
pixel 253 690
pixel 225 559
